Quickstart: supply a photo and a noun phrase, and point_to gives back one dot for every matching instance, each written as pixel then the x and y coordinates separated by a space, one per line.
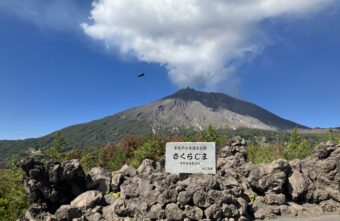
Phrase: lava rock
pixel 99 179
pixel 87 200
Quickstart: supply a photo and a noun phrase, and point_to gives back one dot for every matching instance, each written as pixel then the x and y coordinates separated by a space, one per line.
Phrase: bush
pixel 151 149
pixel 109 157
pixel 116 160
pixel 88 159
pixel 278 149
pixel 330 135
pixel 210 135
pixel 265 152
pixel 13 202
pixel 56 149
pixel 73 154
pixel 297 147
pixel 131 143
pixel 259 154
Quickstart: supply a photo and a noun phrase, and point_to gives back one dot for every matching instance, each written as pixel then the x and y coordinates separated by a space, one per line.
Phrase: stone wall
pixel 239 190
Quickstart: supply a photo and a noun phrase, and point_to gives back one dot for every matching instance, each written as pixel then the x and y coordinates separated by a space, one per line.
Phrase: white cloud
pixel 59 15
pixel 200 42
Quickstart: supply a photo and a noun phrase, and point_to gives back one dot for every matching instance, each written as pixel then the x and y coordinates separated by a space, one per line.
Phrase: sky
pixel 64 62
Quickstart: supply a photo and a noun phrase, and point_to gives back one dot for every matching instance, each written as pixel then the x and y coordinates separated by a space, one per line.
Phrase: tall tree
pixel 57 146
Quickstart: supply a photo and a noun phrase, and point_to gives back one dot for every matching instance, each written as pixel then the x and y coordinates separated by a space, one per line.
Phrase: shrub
pixel 330 135
pixel 73 154
pixel 88 159
pixel 56 149
pixel 278 149
pixel 13 202
pixel 151 149
pixel 131 143
pixel 297 147
pixel 210 135
pixel 116 195
pixel 259 154
pixel 117 159
pixel 110 157
pixel 265 152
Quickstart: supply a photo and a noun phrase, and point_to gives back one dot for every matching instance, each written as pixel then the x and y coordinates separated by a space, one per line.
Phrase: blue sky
pixel 55 73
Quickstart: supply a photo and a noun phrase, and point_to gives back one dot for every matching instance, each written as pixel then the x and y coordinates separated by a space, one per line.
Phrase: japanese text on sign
pixel 190 157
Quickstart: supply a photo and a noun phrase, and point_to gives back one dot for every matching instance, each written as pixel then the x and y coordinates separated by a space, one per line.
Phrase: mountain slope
pixel 187 109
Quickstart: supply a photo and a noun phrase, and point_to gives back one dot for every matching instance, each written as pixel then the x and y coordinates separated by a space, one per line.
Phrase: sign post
pixel 190 157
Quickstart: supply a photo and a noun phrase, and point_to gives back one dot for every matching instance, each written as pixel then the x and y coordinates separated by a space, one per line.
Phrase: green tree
pixel 88 159
pixel 210 135
pixel 330 135
pixel 297 147
pixel 56 149
pixel 13 200
pixel 259 154
pixel 265 153
pixel 151 149
pixel 118 159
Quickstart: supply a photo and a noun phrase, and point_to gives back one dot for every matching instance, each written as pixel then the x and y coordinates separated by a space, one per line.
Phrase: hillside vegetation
pixel 89 139
pixel 134 149
pixel 13 201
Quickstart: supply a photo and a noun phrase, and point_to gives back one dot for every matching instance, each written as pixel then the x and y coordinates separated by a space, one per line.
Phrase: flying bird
pixel 141 75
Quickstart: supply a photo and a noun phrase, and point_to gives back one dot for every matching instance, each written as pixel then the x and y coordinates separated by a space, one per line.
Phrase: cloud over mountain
pixel 199 42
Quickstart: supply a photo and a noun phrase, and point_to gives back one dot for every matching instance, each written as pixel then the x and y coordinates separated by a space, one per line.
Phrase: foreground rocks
pixel 239 190
pixel 52 185
pixel 308 187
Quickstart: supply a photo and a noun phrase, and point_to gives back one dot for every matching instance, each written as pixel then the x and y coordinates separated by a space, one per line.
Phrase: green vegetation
pixel 330 135
pixel 252 197
pixel 56 149
pixel 110 157
pixel 114 129
pixel 151 149
pixel 298 147
pixel 115 195
pixel 263 147
pixel 13 202
pixel 132 149
pixel 259 154
pixel 211 135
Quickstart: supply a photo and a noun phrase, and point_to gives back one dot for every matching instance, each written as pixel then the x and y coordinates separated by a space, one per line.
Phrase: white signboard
pixel 190 157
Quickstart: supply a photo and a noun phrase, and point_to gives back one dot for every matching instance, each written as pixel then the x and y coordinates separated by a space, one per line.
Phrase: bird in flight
pixel 141 75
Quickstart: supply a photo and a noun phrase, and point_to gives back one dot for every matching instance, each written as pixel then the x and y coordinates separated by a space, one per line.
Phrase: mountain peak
pixel 184 92
pixel 190 94
pixel 218 102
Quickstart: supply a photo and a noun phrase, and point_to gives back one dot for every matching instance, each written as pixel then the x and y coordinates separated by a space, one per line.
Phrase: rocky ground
pixel 310 218
pixel 239 191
